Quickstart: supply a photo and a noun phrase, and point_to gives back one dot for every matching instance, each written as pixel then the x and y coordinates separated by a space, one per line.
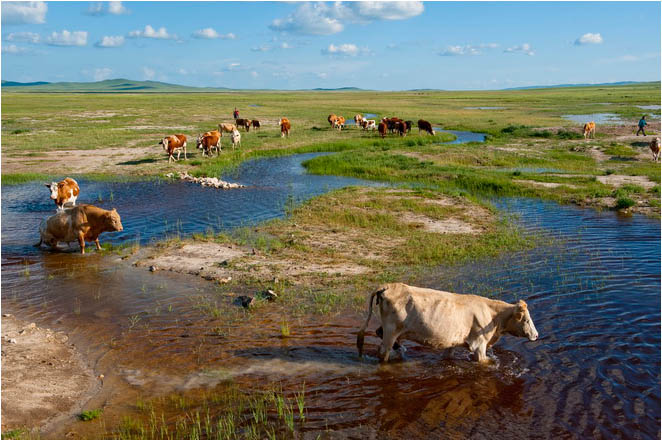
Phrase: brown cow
pixel 409 124
pixel 340 123
pixel 285 127
pixel 589 130
pixel 226 128
pixel 382 129
pixel 332 119
pixel 209 141
pixel 401 128
pixel 426 126
pixel 358 119
pixel 83 223
pixel 655 148
pixel 245 123
pixel 256 124
pixel 172 144
pixel 445 320
pixel 64 192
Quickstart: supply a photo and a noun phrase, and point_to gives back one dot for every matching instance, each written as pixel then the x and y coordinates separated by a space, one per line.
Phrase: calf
pixel 589 130
pixel 655 149
pixel 64 192
pixel 285 127
pixel 172 144
pixel 425 126
pixel 210 141
pixel 245 123
pixel 445 320
pixel 382 129
pixel 83 223
pixel 256 124
pixel 236 139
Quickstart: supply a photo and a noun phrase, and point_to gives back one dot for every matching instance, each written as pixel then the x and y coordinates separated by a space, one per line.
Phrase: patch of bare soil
pixel 445 226
pixel 43 377
pixel 544 184
pixel 620 180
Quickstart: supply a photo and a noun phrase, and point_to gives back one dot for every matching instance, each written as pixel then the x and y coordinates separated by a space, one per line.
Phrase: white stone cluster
pixel 207 182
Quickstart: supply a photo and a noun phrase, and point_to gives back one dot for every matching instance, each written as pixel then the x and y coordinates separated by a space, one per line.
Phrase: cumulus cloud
pixel 345 50
pixel 521 49
pixel 13 49
pixel 116 8
pixel 66 38
pixel 210 34
pixel 24 13
pixel 589 39
pixel 110 41
pixel 467 49
pixel 102 73
pixel 27 37
pixel 99 8
pixel 318 18
pixel 150 32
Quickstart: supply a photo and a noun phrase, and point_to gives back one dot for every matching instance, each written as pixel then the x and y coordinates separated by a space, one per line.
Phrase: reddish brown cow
pixel 256 124
pixel 285 127
pixel 426 126
pixel 172 144
pixel 64 192
pixel 82 223
pixel 245 123
pixel 401 128
pixel 210 141
pixel 382 129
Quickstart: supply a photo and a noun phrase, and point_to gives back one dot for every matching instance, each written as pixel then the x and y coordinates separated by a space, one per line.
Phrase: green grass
pixel 89 415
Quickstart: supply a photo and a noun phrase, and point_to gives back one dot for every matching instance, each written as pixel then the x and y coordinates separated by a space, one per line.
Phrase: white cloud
pixel 263 48
pixel 148 73
pixel 210 34
pixel 95 9
pixel 522 49
pixel 345 50
pixel 13 49
pixel 467 49
pixel 116 8
pixel 589 39
pixel 28 37
pixel 24 13
pixel 285 45
pixel 102 73
pixel 66 38
pixel 110 41
pixel 150 32
pixel 322 75
pixel 319 18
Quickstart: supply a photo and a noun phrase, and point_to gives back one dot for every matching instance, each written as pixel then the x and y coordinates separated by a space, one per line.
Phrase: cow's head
pixel 520 323
pixel 198 142
pixel 113 221
pixel 164 141
pixel 53 188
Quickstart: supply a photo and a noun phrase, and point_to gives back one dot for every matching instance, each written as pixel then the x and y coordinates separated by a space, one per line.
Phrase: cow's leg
pixel 81 242
pixel 179 152
pixel 384 350
pixel 185 151
pixel 480 350
pixel 96 241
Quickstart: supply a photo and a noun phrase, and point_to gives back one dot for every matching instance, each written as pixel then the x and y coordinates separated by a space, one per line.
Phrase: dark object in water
pixel 245 301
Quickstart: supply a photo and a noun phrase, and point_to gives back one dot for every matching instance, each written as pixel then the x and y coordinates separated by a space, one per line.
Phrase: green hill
pixel 119 85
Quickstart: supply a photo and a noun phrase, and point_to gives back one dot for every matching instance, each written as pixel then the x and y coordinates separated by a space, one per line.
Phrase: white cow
pixel 445 320
pixel 236 138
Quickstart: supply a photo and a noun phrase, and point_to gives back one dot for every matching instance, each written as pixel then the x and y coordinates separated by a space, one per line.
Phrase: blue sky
pixel 300 45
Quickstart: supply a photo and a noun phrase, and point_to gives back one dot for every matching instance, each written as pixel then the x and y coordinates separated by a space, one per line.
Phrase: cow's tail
pixel 361 334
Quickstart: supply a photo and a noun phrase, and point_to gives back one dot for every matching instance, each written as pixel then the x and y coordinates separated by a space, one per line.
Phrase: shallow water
pixel 594 295
pixel 484 108
pixel 598 118
pixel 462 136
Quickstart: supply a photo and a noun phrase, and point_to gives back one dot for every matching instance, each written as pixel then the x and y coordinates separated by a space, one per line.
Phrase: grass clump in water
pixel 89 415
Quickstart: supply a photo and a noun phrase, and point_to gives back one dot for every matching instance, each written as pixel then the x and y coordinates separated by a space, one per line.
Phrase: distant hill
pixel 556 86
pixel 119 85
pixel 345 89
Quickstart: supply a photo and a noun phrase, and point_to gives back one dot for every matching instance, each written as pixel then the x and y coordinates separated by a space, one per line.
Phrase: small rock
pixel 12 340
pixel 208 277
pixel 224 263
pixel 245 301
pixel 224 280
pixel 276 280
pixel 6 315
pixel 21 332
pixel 32 325
pixel 152 268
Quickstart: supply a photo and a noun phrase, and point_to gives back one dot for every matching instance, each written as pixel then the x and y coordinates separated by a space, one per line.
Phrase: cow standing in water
pixel 444 320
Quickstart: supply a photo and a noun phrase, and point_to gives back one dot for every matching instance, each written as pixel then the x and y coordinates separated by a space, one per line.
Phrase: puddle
pixel 255 105
pixel 651 107
pixel 484 108
pixel 598 118
pixel 462 136
pixel 531 170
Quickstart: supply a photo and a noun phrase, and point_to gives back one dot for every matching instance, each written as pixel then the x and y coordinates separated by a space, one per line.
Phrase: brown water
pixel 595 372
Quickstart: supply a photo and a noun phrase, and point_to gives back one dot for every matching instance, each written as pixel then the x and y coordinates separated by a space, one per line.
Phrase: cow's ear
pixel 521 305
pixel 519 316
pixel 48 185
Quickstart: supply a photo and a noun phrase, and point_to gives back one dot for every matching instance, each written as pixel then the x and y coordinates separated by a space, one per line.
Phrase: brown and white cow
pixel 655 148
pixel 172 144
pixel 332 120
pixel 256 124
pixel 445 320
pixel 245 123
pixel 285 127
pixel 209 141
pixel 64 192
pixel 82 223
pixel 425 126
pixel 226 128
pixel 235 137
pixel 382 129
pixel 340 123
pixel 589 130
pixel 358 119
pixel 368 124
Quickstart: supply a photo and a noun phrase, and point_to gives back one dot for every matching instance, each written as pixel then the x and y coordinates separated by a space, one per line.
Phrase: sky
pixel 304 45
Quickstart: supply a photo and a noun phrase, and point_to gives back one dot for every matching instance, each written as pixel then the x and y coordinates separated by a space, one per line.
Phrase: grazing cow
pixel 391 123
pixel 332 120
pixel 655 148
pixel 426 126
pixel 589 130
pixel 245 123
pixel 358 119
pixel 340 123
pixel 236 139
pixel 369 124
pixel 83 223
pixel 285 127
pixel 382 129
pixel 64 192
pixel 256 124
pixel 210 141
pixel 401 128
pixel 172 144
pixel 409 124
pixel 445 320
pixel 226 128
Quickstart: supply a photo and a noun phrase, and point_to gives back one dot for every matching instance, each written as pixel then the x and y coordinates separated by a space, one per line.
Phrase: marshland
pixel 508 200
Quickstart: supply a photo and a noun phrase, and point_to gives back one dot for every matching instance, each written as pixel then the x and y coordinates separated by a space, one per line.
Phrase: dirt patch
pixel 543 184
pixel 43 377
pixel 446 226
pixel 620 180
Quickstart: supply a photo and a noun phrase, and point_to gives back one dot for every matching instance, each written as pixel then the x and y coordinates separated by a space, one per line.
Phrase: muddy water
pixel 594 296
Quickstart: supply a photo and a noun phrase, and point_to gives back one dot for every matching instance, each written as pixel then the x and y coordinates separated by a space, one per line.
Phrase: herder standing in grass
pixel 235 114
pixel 642 125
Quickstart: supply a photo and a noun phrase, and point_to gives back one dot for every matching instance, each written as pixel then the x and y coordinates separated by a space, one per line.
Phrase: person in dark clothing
pixel 642 125
pixel 235 114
